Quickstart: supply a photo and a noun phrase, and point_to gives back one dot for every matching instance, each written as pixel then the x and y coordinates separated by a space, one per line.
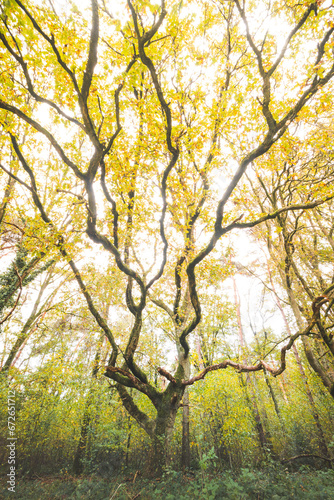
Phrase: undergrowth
pixel 271 484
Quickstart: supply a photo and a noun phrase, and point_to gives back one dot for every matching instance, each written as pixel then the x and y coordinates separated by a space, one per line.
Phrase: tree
pixel 301 249
pixel 166 107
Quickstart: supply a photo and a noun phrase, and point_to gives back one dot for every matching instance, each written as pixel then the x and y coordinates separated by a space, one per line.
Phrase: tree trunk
pixel 185 455
pixel 161 439
pixel 81 449
pixel 322 442
pixel 273 397
pixel 28 326
pixel 247 384
pixel 160 429
pixel 185 459
pixel 326 376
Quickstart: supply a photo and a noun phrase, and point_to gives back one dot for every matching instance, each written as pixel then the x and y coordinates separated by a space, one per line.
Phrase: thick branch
pixel 141 418
pixel 46 133
pixel 142 41
pixel 99 319
pixel 92 56
pixel 82 97
pixel 261 365
pixel 162 218
pixel 274 215
pixel 124 377
pixel 163 306
pixel 167 375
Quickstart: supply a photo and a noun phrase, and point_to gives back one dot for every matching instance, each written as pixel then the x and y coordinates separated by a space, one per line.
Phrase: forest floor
pixel 266 484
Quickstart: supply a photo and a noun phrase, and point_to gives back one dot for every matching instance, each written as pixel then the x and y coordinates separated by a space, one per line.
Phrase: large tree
pixel 139 120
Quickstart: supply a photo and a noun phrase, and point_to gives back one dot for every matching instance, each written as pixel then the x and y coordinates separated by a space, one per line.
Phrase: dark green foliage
pixel 272 483
pixel 26 268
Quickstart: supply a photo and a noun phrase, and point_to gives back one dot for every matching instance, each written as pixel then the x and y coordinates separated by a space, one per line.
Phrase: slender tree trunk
pixel 326 376
pixel 28 326
pixel 81 449
pixel 252 404
pixel 322 442
pixel 273 397
pixel 282 384
pixel 247 382
pixel 128 444
pixel 19 344
pixel 270 387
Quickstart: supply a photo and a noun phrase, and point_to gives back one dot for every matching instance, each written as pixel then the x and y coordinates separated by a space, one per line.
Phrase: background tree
pixel 300 248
